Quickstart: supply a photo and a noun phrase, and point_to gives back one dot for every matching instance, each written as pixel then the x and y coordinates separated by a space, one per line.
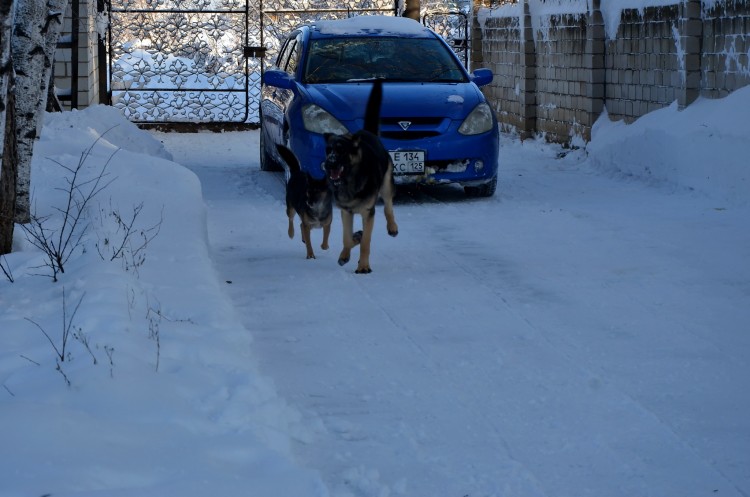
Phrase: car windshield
pixel 340 60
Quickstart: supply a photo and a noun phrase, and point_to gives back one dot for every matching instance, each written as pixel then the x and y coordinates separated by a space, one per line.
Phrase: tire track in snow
pixel 468 395
pixel 578 361
pixel 500 341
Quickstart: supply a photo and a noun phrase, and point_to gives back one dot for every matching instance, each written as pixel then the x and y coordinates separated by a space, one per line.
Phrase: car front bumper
pixel 468 160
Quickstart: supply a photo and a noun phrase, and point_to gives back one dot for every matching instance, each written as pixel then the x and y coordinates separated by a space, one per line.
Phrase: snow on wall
pixel 735 56
pixel 612 11
pixel 542 10
pixel 725 47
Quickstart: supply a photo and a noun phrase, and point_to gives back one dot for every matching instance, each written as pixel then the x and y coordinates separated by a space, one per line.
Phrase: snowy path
pixel 578 335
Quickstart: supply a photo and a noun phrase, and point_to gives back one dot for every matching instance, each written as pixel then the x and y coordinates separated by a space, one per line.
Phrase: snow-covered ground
pixel 583 333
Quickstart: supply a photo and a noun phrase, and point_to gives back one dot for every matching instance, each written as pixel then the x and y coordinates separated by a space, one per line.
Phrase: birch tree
pixel 36 30
pixel 8 157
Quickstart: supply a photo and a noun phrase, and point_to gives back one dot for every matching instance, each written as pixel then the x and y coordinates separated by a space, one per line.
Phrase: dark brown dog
pixel 308 197
pixel 360 171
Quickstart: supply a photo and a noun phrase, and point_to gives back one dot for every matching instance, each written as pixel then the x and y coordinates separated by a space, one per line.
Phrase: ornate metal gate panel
pixel 182 60
pixel 450 19
pixel 454 27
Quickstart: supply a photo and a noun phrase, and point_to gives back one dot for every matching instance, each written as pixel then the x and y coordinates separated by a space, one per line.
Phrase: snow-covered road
pixel 579 334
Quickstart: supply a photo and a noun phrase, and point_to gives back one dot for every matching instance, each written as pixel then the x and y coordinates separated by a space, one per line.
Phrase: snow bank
pixel 163 396
pixel 702 147
pixel 79 129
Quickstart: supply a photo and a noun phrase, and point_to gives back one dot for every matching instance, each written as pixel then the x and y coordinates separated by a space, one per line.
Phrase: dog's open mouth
pixel 334 174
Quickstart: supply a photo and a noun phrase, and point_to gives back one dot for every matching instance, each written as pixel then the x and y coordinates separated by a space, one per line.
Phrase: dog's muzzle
pixel 334 170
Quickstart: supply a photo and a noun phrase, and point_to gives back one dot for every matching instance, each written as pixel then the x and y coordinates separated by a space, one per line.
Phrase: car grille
pixel 419 127
pixel 408 135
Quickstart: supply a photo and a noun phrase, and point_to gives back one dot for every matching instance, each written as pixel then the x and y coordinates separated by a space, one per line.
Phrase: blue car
pixel 435 122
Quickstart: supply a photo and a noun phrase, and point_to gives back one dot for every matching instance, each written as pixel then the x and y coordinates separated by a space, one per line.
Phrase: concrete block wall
pixel 726 48
pixel 505 57
pixel 562 77
pixel 86 72
pixel 571 68
pixel 642 63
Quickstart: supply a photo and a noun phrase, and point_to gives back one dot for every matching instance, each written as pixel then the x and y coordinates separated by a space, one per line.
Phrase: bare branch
pixel 6 269
pixel 84 339
pixel 60 244
pixel 60 351
pixel 30 360
pixel 128 242
pixel 54 346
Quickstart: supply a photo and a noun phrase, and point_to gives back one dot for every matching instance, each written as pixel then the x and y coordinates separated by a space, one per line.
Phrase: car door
pixel 276 100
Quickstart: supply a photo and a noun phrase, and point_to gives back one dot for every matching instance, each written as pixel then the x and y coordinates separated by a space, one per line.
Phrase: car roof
pixel 375 25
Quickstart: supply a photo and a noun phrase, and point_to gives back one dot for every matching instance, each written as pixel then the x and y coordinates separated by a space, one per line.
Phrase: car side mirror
pixel 482 77
pixel 278 78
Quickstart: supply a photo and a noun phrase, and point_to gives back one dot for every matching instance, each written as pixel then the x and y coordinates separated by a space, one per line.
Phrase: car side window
pixel 294 53
pixel 289 53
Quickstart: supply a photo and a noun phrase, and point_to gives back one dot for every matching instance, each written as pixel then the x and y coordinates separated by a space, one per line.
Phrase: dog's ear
pixel 329 136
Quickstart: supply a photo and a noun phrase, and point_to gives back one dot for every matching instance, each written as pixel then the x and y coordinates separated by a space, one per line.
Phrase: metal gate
pixel 200 61
pixel 181 60
pixel 453 25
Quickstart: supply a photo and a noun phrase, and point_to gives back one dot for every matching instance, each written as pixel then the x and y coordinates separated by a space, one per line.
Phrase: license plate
pixel 407 161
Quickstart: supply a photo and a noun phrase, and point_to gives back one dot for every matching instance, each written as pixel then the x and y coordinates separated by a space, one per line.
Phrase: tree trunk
pixel 411 9
pixel 35 34
pixel 6 65
pixel 8 176
pixel 8 158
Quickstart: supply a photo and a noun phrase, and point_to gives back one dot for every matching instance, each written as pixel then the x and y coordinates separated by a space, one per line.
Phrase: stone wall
pixel 555 72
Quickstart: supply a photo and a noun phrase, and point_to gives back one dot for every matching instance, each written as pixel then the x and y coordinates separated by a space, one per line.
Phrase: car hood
pixel 347 101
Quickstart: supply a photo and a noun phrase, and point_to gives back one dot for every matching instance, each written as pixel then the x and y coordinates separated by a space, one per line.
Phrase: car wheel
pixel 267 162
pixel 485 190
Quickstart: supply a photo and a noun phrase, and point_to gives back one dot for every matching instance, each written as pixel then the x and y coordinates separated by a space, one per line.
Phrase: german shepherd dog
pixel 309 198
pixel 360 171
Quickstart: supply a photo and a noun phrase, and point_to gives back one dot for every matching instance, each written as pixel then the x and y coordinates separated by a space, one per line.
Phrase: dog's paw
pixel 344 256
pixel 324 246
pixel 393 233
pixel 311 256
pixel 363 270
pixel 357 237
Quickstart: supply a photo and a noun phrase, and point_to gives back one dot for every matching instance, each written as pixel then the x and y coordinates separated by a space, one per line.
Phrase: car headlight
pixel 318 120
pixel 479 121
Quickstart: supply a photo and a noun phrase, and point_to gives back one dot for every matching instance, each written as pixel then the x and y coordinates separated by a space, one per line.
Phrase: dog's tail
pixel 372 112
pixel 289 158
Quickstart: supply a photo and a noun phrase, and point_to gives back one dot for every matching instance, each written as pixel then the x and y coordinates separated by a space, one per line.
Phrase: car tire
pixel 267 162
pixel 485 190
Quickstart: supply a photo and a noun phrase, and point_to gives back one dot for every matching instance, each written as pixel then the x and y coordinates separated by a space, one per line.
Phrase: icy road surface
pixel 578 335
